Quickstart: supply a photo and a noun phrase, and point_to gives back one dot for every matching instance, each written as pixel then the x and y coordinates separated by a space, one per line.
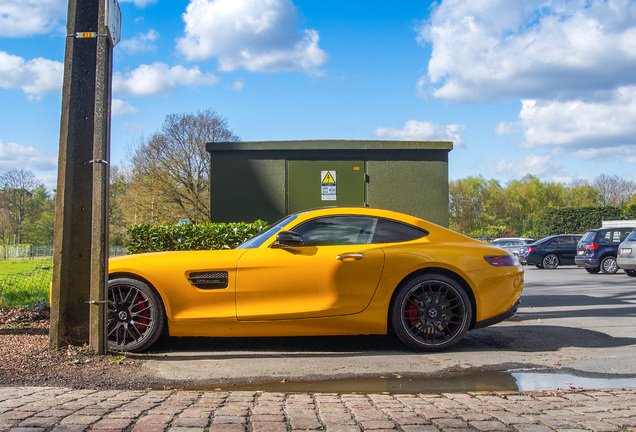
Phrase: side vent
pixel 209 280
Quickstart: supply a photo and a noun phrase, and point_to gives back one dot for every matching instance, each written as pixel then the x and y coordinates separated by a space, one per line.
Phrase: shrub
pixel 179 237
pixel 573 220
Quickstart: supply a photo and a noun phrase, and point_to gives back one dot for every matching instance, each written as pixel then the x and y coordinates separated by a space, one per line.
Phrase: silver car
pixel 512 244
pixel 626 257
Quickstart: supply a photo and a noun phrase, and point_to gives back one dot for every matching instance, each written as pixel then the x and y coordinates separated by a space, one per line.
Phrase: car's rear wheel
pixel 135 315
pixel 431 312
pixel 631 273
pixel 550 261
pixel 592 270
pixel 608 265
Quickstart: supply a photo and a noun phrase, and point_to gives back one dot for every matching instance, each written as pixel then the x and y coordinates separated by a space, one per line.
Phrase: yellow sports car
pixel 334 271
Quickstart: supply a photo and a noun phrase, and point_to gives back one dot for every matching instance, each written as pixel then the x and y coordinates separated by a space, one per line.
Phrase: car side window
pixel 337 230
pixel 568 241
pixel 390 231
pixel 623 235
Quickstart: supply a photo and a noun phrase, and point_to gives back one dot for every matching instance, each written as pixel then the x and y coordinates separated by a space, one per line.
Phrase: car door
pixel 566 249
pixel 336 272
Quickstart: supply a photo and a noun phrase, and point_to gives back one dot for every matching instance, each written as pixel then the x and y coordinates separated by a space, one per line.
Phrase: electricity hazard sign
pixel 328 186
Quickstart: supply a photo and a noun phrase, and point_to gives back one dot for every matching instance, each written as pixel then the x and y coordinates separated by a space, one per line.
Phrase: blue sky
pixel 522 87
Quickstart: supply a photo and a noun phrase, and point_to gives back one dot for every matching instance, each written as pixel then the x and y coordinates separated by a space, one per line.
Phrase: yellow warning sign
pixel 328 178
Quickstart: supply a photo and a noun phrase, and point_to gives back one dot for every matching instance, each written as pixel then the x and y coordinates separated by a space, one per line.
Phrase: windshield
pixel 262 236
pixel 589 236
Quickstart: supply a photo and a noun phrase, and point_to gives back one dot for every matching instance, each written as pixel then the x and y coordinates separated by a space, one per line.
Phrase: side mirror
pixel 288 239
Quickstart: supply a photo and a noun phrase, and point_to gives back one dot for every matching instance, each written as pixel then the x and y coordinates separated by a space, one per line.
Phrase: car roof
pixel 611 228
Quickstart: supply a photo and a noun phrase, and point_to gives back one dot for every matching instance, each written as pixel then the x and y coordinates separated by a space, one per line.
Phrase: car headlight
pixel 502 260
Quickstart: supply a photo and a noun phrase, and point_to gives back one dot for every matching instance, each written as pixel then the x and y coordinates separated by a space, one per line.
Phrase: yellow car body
pixel 270 289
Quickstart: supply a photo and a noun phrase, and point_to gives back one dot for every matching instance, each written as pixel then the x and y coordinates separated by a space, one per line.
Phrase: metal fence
pixel 27 251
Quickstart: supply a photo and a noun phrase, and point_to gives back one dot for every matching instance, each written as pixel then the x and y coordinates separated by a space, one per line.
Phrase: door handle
pixel 350 256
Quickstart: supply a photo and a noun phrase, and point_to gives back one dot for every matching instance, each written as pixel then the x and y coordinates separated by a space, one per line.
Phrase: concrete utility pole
pixel 80 262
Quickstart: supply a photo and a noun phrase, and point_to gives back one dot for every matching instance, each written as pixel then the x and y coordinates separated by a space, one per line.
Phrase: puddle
pixel 513 380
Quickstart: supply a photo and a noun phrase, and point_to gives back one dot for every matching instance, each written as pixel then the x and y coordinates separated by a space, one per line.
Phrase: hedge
pixel 573 220
pixel 178 237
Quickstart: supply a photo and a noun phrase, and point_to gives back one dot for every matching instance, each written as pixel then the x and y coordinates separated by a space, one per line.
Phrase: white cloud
pixel 238 85
pixel 626 154
pixel 532 164
pixel 139 3
pixel 36 77
pixel 17 156
pixel 423 130
pixel 257 35
pixel 30 17
pixel 597 123
pixel 484 50
pixel 159 79
pixel 141 43
pixel 505 128
pixel 121 108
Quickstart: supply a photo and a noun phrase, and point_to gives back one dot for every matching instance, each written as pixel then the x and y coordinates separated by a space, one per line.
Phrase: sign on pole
pixel 113 21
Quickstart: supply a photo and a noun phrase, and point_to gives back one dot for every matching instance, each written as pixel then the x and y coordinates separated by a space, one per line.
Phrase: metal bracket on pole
pixel 105 162
pixel 87 35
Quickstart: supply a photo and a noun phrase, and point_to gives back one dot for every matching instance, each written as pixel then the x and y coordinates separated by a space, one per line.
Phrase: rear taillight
pixel 591 246
pixel 502 260
pixel 530 249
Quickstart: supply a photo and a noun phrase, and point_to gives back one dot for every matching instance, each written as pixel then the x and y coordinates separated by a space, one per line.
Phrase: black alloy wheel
pixel 630 273
pixel 431 312
pixel 135 315
pixel 550 261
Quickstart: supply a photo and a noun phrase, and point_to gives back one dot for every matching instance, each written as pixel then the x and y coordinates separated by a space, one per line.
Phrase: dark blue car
pixel 550 252
pixel 598 248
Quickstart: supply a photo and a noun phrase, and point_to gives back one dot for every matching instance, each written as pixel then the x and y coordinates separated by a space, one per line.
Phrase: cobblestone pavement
pixel 31 409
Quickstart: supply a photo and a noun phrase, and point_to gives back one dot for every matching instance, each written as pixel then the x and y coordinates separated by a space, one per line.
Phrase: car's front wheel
pixel 135 315
pixel 431 312
pixel 550 261
pixel 608 265
pixel 631 273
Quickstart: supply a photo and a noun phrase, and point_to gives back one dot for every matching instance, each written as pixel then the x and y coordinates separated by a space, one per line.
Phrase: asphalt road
pixel 569 321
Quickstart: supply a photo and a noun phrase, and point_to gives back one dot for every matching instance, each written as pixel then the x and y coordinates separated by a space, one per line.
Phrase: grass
pixel 22 266
pixel 25 283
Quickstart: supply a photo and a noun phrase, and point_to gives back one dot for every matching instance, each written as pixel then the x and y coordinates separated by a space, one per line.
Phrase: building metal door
pixel 315 184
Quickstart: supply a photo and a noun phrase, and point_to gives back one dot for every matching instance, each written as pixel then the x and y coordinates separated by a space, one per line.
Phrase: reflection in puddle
pixel 514 380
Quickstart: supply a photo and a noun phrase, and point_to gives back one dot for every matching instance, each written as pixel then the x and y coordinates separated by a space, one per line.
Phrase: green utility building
pixel 270 179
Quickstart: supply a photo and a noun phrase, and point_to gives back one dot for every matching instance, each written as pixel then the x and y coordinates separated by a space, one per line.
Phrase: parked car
pixel 598 249
pixel 551 251
pixel 512 244
pixel 332 271
pixel 626 258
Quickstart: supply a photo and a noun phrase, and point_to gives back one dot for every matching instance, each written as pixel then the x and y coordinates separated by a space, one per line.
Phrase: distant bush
pixel 180 237
pixel 573 220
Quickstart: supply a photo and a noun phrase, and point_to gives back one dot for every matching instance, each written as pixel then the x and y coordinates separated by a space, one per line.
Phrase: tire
pixel 630 273
pixel 550 261
pixel 608 265
pixel 135 315
pixel 431 312
pixel 592 270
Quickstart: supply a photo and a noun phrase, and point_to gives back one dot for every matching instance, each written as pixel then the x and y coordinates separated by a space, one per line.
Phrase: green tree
pixel 38 226
pixel 17 186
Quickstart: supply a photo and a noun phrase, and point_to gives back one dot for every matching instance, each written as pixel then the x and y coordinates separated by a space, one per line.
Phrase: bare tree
pixel 171 169
pixel 614 190
pixel 17 186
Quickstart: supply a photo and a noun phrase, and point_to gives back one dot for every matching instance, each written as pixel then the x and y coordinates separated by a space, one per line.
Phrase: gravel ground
pixel 27 360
